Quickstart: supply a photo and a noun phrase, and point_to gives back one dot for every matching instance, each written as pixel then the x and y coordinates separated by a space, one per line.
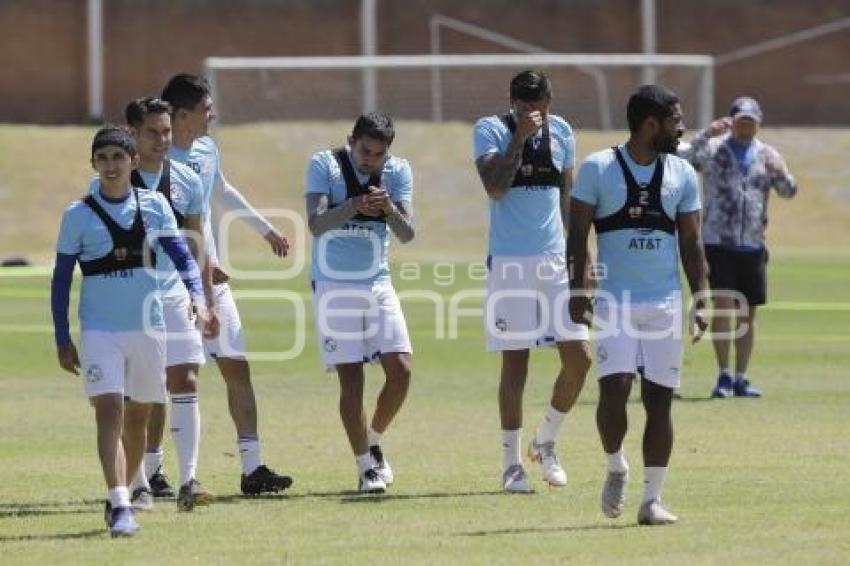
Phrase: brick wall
pixel 44 51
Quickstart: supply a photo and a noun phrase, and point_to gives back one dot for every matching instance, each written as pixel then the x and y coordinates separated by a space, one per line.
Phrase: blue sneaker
pixel 122 522
pixel 743 388
pixel 724 387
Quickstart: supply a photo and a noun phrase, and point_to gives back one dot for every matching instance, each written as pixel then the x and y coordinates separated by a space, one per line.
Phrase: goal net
pixel 590 90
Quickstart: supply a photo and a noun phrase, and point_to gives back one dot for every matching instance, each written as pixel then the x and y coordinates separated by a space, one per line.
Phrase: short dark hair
pixel 185 91
pixel 118 136
pixel 141 108
pixel 531 85
pixel 377 125
pixel 649 101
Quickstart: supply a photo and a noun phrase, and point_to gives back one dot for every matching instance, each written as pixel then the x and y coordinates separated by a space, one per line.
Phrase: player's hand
pixel 205 320
pixel 581 309
pixel 527 123
pixel 69 360
pixel 219 276
pixel 719 126
pixel 279 244
pixel 698 320
pixel 379 198
pixel 364 205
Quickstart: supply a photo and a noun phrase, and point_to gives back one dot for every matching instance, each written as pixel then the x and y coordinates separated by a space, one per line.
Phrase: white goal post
pixel 437 64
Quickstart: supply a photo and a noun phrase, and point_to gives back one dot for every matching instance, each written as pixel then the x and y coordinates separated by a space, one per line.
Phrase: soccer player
pixel 114 234
pixel 356 195
pixel 525 160
pixel 738 172
pixel 150 122
pixel 189 97
pixel 644 205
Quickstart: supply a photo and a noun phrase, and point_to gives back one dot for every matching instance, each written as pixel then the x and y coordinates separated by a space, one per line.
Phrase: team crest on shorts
pixel 601 355
pixel 501 324
pixel 330 345
pixel 94 373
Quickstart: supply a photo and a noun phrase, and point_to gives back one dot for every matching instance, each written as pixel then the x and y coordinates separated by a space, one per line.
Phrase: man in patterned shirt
pixel 738 171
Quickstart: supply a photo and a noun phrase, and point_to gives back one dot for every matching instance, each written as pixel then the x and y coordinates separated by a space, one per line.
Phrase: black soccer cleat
pixel 264 480
pixel 160 487
pixel 192 494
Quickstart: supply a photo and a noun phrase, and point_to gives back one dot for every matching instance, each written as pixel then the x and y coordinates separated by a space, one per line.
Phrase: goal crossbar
pixel 703 62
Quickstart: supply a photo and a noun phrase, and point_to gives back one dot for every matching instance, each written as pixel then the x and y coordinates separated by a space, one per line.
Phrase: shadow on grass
pixel 692 399
pixel 57 536
pixel 35 509
pixel 352 496
pixel 540 530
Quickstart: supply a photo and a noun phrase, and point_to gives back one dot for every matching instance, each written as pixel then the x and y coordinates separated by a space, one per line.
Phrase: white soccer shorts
pixel 527 303
pixel 131 364
pixel 357 322
pixel 183 343
pixel 230 342
pixel 643 333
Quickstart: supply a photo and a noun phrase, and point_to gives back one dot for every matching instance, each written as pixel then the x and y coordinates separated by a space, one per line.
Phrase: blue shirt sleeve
pixel 560 128
pixel 318 175
pixel 402 189
pixel 196 191
pixel 690 201
pixel 586 187
pixel 486 138
pixel 70 232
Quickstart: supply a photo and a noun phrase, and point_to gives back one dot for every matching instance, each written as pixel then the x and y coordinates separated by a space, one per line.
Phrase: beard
pixel 665 143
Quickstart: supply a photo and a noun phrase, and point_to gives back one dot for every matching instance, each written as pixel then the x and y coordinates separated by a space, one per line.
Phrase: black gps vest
pixel 127 245
pixel 642 210
pixel 163 187
pixel 353 187
pixel 537 167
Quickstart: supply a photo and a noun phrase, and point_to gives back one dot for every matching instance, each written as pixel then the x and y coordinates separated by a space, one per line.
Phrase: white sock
pixel 653 481
pixel 726 371
pixel 364 462
pixel 511 448
pixel 374 437
pixel 550 425
pixel 118 496
pixel 617 461
pixel 140 480
pixel 740 376
pixel 186 432
pixel 249 452
pixel 153 461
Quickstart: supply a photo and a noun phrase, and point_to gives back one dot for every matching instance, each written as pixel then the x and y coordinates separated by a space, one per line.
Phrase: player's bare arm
pixel 497 170
pixel 581 218
pixel 567 180
pixel 695 267
pixel 321 218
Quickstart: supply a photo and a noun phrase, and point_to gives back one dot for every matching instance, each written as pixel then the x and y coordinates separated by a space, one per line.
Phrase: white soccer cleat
pixel 653 513
pixel 142 499
pixel 371 482
pixel 614 494
pixel 544 454
pixel 515 480
pixel 382 465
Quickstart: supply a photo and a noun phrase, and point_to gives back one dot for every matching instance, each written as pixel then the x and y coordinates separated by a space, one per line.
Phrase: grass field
pixel 753 481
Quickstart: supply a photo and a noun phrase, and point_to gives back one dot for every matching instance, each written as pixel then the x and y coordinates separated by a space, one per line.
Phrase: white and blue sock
pixel 250 453
pixel 186 432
